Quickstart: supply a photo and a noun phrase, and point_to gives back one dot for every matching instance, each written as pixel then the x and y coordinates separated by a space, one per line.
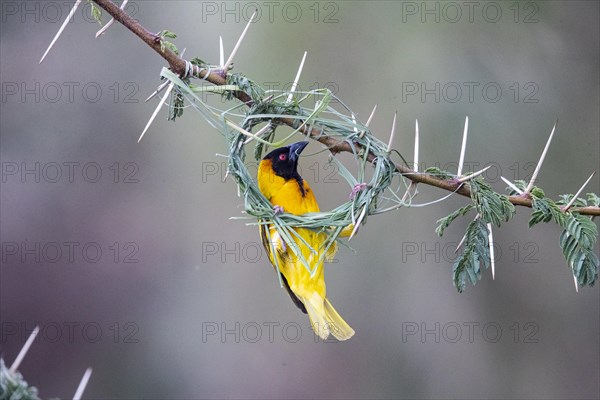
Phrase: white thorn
pixel 491 244
pixel 157 91
pixel 576 285
pixel 109 23
pixel 539 165
pixel 474 174
pixel 263 129
pixel 463 147
pixel 389 148
pixel 512 185
pixel 462 241
pixel 368 121
pixel 259 133
pixel 237 45
pixel 165 83
pixel 82 384
pixel 62 28
pixel 221 52
pixel 579 191
pixel 416 156
pixel 296 79
pixel 157 109
pixel 24 350
pixel 371 116
pixel 358 221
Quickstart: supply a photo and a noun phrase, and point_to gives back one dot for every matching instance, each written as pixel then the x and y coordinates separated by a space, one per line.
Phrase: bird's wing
pixel 271 239
pixel 282 257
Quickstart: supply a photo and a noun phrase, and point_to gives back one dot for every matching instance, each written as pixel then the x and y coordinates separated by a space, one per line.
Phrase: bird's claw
pixel 278 210
pixel 357 188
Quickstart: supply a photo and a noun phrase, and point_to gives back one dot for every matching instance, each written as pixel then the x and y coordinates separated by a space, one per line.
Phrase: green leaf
pixel 165 44
pixel 439 173
pixel 593 199
pixel 167 34
pixel 475 254
pixel 14 387
pixel 168 45
pixel 96 12
pixel 566 199
pixel 177 105
pixel 197 61
pixel 445 222
pixel 545 210
pixel 520 184
pixel 577 243
pixel 492 207
pixel 537 192
pixel 253 90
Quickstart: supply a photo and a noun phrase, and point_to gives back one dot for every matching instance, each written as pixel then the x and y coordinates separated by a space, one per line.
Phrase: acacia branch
pixel 217 77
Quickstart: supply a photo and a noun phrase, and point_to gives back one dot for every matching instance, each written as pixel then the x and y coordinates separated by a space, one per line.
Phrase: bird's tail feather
pixel 316 315
pixel 337 326
pixel 325 320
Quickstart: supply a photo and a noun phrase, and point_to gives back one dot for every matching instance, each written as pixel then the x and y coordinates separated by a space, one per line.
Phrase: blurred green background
pixel 181 301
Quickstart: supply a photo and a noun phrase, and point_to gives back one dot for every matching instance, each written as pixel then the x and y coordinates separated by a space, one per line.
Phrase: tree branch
pixel 178 66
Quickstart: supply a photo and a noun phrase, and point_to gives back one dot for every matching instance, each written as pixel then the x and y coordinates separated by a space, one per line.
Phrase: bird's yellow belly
pixel 300 279
pixel 298 276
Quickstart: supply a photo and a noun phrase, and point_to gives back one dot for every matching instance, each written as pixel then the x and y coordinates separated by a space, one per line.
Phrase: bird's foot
pixel 357 188
pixel 278 210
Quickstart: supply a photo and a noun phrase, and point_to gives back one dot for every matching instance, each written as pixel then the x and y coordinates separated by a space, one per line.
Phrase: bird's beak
pixel 296 149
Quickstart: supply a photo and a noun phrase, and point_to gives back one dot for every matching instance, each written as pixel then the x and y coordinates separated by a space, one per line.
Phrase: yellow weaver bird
pixel 280 183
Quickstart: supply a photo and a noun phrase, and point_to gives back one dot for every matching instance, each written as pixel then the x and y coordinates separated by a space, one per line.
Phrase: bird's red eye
pixel 282 157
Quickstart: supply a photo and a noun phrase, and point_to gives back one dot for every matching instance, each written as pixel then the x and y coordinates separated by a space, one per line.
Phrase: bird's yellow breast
pixel 294 196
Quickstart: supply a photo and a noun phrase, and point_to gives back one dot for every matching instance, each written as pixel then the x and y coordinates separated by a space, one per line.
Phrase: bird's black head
pixel 284 160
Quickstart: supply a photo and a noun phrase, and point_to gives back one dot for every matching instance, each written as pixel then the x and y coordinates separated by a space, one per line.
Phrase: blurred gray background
pixel 181 302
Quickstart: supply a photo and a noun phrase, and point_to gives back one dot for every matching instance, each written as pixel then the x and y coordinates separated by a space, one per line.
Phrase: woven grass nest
pixel 315 109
